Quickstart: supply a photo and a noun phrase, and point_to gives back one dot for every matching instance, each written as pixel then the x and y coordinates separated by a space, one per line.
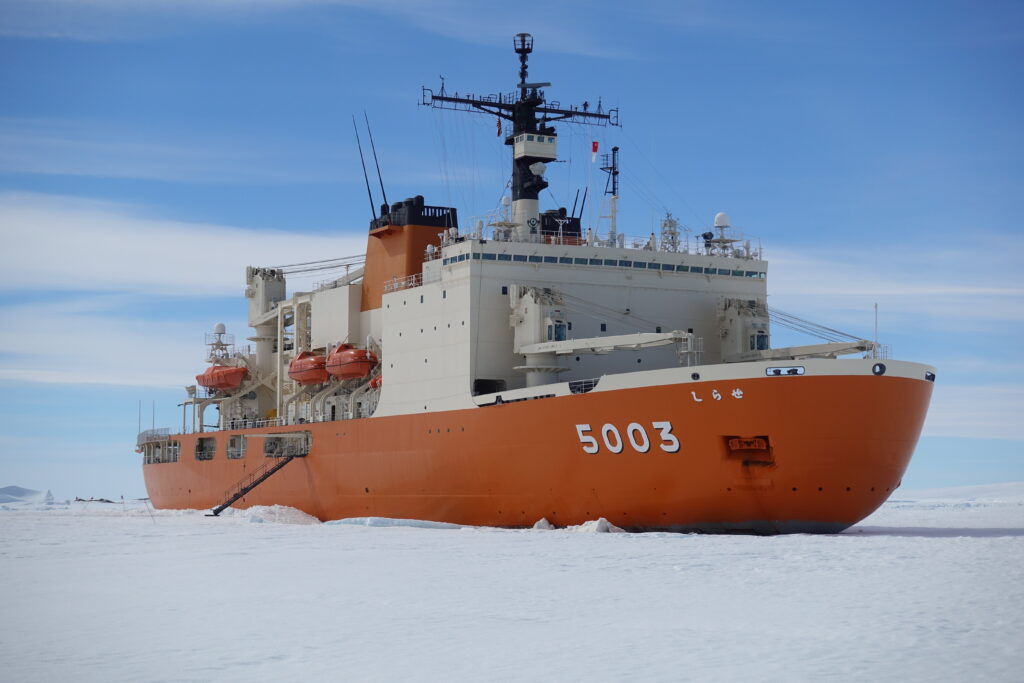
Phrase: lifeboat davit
pixel 222 377
pixel 348 362
pixel 308 368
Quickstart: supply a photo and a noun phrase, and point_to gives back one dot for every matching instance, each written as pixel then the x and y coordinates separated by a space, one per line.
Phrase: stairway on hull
pixel 251 481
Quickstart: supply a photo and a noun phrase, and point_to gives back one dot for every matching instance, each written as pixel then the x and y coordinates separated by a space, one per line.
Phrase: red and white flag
pixel 593 151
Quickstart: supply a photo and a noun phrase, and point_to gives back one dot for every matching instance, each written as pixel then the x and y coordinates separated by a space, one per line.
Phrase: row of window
pixel 159 452
pixel 615 263
pixel 532 138
pixel 206 448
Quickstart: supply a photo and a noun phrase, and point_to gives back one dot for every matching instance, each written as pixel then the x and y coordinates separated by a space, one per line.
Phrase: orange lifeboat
pixel 348 362
pixel 222 377
pixel 308 368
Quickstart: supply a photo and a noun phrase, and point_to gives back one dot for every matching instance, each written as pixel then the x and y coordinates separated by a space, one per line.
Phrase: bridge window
pixel 625 264
pixel 504 257
pixel 519 257
pixel 696 269
pixel 595 261
pixel 536 259
pixel 490 257
pixel 580 261
pixel 550 259
pixel 565 259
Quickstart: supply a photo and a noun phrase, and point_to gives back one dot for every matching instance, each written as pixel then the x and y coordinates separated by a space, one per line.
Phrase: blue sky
pixel 149 151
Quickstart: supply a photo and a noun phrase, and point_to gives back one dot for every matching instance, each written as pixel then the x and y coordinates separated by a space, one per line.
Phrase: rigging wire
pixel 797 324
pixel 596 311
pixel 664 179
pixel 357 257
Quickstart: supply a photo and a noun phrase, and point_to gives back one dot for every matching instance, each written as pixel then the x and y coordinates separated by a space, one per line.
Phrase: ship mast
pixel 611 187
pixel 533 140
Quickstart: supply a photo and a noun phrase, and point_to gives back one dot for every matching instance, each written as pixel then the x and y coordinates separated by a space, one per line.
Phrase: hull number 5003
pixel 609 436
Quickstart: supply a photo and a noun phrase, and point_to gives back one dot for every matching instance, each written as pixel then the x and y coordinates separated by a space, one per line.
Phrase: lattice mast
pixel 533 139
pixel 610 166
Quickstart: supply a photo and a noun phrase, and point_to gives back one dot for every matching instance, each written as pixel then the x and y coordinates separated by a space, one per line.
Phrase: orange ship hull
pixel 770 455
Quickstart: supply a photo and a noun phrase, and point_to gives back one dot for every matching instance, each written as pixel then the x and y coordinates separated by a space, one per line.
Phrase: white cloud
pixel 917 285
pixel 79 148
pixel 107 269
pixel 63 243
pixel 90 342
pixel 991 411
pixel 564 27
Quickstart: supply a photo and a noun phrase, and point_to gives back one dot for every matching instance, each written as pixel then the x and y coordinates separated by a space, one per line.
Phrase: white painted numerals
pixel 669 442
pixel 589 442
pixel 636 435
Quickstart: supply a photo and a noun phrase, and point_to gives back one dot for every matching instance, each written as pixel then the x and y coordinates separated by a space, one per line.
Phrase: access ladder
pixel 251 481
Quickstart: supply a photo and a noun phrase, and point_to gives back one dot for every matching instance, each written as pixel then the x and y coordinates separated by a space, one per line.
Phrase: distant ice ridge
pixel 1012 492
pixel 17 494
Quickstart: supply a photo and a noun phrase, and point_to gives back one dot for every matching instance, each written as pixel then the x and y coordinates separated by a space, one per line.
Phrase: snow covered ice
pixel 928 588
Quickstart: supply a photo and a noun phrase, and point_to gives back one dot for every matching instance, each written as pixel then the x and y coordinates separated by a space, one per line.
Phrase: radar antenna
pixel 532 137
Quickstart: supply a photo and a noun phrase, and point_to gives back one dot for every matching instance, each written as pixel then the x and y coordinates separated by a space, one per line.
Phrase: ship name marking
pixel 717 395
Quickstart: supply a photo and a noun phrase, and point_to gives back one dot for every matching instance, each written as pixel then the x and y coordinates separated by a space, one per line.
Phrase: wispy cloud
pixel 990 411
pixel 71 244
pixel 79 148
pixel 93 342
pixel 565 27
pixel 107 269
pixel 980 282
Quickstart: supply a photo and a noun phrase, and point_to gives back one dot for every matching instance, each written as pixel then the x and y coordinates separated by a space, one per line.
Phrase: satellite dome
pixel 219 328
pixel 721 219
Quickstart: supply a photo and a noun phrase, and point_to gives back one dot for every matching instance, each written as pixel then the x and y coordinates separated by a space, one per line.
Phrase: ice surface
pixel 393 522
pixel 928 588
